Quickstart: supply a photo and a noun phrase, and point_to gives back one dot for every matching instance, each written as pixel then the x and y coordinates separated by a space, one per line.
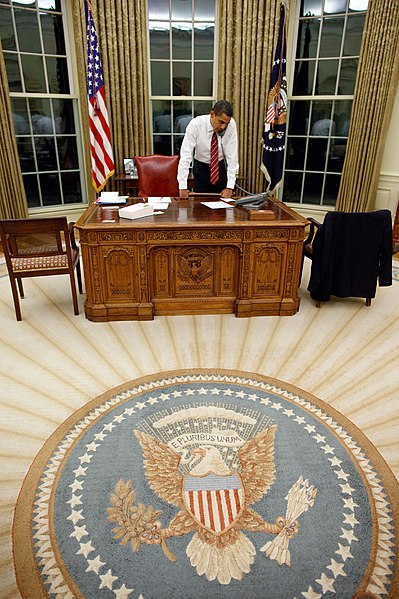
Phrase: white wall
pixel 388 185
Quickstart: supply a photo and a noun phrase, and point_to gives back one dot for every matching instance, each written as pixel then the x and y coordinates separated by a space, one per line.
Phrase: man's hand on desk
pixel 226 193
pixel 183 193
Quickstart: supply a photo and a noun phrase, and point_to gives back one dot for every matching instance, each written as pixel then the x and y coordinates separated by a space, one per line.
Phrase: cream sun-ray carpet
pixel 52 363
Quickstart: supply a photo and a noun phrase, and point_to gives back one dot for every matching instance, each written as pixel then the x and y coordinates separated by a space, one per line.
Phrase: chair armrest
pixel 71 227
pixel 314 224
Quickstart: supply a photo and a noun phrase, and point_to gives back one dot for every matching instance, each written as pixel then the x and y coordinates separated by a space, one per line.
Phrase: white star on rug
pixel 94 564
pixel 107 580
pixel 123 592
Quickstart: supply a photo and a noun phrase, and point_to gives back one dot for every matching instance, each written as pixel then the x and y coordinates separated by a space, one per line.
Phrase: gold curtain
pixel 248 32
pixel 13 202
pixel 122 35
pixel 375 91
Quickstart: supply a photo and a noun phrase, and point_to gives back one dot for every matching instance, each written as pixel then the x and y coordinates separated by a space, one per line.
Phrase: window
pixel 44 108
pixel 329 34
pixel 182 47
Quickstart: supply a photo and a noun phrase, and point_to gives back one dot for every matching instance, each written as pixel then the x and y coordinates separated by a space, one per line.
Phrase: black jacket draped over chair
pixel 352 251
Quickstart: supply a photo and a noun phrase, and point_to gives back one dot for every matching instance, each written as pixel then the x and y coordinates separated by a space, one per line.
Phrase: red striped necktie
pixel 214 165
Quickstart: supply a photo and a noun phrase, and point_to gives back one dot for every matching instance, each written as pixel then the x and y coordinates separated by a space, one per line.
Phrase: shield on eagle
pixel 214 501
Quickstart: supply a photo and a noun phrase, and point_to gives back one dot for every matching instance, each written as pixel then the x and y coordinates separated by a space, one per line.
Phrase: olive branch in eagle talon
pixel 136 523
pixel 219 549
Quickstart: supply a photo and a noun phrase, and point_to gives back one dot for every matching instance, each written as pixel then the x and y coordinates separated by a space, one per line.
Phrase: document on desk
pixel 159 203
pixel 215 205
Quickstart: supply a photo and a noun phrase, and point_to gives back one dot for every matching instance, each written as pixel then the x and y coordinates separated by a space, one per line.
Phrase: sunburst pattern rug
pixel 207 484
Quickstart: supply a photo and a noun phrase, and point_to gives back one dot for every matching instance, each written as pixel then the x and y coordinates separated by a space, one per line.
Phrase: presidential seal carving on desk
pixel 211 463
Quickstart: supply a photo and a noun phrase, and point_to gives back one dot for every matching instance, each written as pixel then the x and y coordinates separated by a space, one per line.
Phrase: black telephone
pixel 253 202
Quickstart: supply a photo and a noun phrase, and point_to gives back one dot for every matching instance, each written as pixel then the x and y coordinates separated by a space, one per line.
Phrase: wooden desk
pixel 190 260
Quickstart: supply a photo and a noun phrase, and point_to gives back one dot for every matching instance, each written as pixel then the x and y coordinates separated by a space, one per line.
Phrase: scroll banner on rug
pixel 203 484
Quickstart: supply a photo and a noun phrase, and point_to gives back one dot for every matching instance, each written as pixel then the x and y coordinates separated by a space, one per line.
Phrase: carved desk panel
pixel 190 260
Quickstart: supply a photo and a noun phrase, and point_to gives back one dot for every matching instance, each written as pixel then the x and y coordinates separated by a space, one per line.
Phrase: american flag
pixel 102 161
pixel 276 112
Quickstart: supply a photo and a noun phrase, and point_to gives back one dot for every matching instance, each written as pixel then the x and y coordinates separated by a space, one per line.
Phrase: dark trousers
pixel 202 182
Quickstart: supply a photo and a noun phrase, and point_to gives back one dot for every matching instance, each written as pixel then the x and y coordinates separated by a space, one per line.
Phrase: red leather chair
pixel 157 175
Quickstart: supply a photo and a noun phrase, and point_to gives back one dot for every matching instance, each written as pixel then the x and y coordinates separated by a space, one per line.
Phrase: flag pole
pixel 102 161
pixel 274 128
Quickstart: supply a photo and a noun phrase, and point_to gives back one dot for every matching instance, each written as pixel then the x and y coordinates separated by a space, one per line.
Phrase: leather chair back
pixel 157 175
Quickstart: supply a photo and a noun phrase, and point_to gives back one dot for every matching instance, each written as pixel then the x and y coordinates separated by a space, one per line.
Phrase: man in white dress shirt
pixel 197 144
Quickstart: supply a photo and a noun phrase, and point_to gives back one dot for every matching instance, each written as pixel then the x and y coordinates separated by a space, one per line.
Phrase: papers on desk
pixel 215 205
pixel 111 197
pixel 159 203
pixel 136 211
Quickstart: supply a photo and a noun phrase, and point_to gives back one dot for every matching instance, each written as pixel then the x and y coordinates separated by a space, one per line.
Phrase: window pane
pixel 161 117
pixel 317 151
pixel 347 76
pixel 163 144
pixel 50 188
pixel 331 188
pixel 71 188
pixel 204 10
pixel 32 67
pixel 159 40
pixel 337 155
pixel 311 7
pixel 298 123
pixel 322 123
pixel 27 30
pixel 181 41
pixel 342 115
pixel 63 116
pixel 31 191
pixel 326 77
pixel 42 121
pixel 53 33
pixel 177 142
pixel 203 79
pixel 67 153
pixel 13 72
pixel 295 158
pixel 202 107
pixel 50 4
pixel 353 35
pixel 181 116
pixel 308 34
pixel 45 154
pixel 181 9
pixel 181 78
pixel 57 75
pixel 20 116
pixel 335 6
pixel 356 5
pixel 160 78
pixel 158 9
pixel 331 37
pixel 6 30
pixel 204 35
pixel 293 186
pixel 25 152
pixel 312 188
pixel 303 78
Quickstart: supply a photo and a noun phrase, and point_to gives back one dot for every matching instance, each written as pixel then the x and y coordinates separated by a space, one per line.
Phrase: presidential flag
pixel 276 112
pixel 102 161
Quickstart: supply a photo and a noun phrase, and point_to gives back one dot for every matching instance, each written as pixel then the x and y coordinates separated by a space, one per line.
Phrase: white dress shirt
pixel 197 140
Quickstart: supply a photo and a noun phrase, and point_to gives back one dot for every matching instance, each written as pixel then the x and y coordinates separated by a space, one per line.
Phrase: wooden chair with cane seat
pixel 40 247
pixel 157 175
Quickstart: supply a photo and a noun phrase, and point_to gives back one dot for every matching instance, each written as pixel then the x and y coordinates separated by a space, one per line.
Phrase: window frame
pixel 73 95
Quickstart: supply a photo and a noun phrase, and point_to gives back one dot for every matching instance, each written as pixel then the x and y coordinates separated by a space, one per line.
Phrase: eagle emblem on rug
pixel 212 474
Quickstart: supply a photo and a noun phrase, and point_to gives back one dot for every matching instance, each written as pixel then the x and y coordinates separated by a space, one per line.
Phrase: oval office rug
pixel 206 484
